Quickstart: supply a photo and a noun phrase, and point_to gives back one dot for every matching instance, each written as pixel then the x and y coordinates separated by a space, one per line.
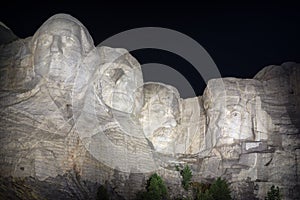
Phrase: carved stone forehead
pixel 63 24
pixel 60 27
pixel 221 93
pixel 160 90
pixel 163 94
pixel 232 86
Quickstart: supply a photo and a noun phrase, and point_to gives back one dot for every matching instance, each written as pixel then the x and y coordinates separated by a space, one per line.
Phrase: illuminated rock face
pixel 38 105
pixel 253 129
pixel 73 112
pixel 120 76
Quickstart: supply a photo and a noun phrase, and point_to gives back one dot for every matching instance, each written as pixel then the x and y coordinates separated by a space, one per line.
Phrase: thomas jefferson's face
pixel 120 77
pixel 118 85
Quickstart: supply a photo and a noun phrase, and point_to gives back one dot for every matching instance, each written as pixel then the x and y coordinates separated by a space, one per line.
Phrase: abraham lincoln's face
pixel 230 111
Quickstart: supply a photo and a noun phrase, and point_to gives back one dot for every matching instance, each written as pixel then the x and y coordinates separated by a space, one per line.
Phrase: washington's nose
pixel 56 44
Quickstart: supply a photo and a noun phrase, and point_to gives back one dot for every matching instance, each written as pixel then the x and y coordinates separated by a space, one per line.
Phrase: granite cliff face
pixel 74 116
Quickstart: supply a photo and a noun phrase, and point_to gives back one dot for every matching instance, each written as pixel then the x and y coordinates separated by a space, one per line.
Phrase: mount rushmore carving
pixel 68 106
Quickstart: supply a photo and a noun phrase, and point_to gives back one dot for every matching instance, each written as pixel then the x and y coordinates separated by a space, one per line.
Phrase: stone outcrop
pixel 256 135
pixel 74 116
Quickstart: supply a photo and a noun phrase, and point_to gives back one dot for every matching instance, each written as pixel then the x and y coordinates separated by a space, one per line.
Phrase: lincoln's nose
pixel 56 44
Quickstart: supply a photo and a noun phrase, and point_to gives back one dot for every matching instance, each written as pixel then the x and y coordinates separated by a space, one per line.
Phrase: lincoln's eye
pixel 235 114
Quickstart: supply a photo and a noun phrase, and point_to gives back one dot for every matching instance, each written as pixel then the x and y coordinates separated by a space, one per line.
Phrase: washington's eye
pixel 68 41
pixel 67 38
pixel 45 40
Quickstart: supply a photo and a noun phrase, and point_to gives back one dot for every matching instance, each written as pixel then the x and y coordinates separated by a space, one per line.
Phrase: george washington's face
pixel 58 49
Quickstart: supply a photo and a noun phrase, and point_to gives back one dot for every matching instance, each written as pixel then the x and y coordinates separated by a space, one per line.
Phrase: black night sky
pixel 240 38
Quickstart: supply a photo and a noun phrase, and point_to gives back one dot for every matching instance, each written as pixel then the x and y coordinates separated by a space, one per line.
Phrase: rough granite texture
pixel 74 116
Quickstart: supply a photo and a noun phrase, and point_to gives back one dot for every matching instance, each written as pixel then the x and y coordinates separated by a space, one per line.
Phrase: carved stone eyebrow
pixel 61 32
pixel 117 74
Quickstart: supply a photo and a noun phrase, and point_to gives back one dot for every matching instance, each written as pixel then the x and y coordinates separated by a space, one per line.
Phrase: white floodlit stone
pixel 68 106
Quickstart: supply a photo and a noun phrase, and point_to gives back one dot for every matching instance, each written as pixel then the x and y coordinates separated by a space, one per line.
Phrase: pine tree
pixel 156 189
pixel 187 175
pixel 273 194
pixel 220 189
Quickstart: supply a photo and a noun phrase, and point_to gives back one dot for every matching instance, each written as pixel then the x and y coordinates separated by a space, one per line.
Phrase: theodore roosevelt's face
pixel 159 115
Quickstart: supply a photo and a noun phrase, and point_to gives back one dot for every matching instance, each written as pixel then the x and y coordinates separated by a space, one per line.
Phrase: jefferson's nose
pixel 170 122
pixel 56 44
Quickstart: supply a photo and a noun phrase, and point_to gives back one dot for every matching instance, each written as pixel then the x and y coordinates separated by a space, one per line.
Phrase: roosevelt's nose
pixel 56 44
